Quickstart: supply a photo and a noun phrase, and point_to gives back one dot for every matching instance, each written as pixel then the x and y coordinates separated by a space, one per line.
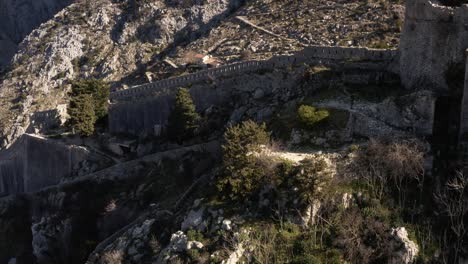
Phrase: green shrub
pixel 306 259
pixel 82 115
pixel 183 120
pixel 194 235
pixel 242 172
pixel 309 116
pixel 193 255
pixel 291 244
pixel 353 148
pixel 282 173
pixel 310 178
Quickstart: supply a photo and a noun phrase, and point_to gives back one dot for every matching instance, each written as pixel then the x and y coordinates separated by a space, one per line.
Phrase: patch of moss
pixel 310 116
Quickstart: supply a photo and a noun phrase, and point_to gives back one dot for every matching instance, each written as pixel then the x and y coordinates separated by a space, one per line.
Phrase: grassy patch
pixel 288 243
pixel 287 119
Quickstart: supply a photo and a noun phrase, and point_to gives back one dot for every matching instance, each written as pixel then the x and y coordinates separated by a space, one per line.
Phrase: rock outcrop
pixel 406 250
pixel 105 39
pixel 66 222
pixel 19 17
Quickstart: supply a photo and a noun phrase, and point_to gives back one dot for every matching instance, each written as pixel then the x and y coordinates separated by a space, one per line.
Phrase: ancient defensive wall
pixel 433 40
pixel 309 54
pixel 33 163
pixel 144 109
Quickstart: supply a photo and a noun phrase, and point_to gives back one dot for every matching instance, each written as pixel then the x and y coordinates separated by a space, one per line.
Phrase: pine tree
pixel 98 89
pixel 183 120
pixel 88 104
pixel 82 114
pixel 242 173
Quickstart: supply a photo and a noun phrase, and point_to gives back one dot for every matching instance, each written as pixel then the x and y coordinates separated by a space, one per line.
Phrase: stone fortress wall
pixel 144 110
pixel 33 163
pixel 306 55
pixel 434 38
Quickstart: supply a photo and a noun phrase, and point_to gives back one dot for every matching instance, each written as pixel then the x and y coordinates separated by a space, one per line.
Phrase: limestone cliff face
pixel 19 17
pixel 121 41
pixel 111 40
pixel 434 39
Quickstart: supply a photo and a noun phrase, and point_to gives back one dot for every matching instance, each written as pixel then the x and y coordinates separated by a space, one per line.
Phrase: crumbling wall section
pixel 434 38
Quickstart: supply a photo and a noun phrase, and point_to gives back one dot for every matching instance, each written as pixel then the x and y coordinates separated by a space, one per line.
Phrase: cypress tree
pixel 88 104
pixel 242 172
pixel 82 114
pixel 183 120
pixel 98 89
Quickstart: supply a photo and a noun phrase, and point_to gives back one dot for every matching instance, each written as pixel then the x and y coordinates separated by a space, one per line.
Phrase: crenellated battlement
pixel 309 54
pixel 143 110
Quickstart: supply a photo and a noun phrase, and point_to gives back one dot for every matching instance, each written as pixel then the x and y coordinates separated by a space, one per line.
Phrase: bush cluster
pixel 88 104
pixel 390 167
pixel 309 116
pixel 308 178
pixel 287 243
pixel 247 170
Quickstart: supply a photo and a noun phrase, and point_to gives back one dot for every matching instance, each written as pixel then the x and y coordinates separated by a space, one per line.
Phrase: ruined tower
pixel 433 41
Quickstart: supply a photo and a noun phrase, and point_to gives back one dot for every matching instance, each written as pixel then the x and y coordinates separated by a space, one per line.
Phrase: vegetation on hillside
pixel 309 115
pixel 384 190
pixel 242 171
pixel 184 119
pixel 88 104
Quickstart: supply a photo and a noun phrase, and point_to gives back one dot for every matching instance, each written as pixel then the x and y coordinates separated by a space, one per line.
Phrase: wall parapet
pixel 307 55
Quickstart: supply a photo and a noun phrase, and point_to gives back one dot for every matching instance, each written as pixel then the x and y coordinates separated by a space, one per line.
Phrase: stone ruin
pixel 433 47
pixel 433 43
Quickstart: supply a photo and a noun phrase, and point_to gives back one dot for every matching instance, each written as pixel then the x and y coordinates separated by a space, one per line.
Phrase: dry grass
pixel 396 163
pixel 113 257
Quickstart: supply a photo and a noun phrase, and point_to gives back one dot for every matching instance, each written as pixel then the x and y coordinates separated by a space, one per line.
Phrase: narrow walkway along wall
pixel 34 162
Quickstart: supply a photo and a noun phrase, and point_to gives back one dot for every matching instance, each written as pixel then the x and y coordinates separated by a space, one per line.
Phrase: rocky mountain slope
pixel 310 185
pixel 120 41
pixel 18 18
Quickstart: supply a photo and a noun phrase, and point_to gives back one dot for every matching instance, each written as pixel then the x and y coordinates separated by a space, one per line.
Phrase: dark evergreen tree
pixel 98 89
pixel 82 114
pixel 183 120
pixel 242 171
pixel 88 103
